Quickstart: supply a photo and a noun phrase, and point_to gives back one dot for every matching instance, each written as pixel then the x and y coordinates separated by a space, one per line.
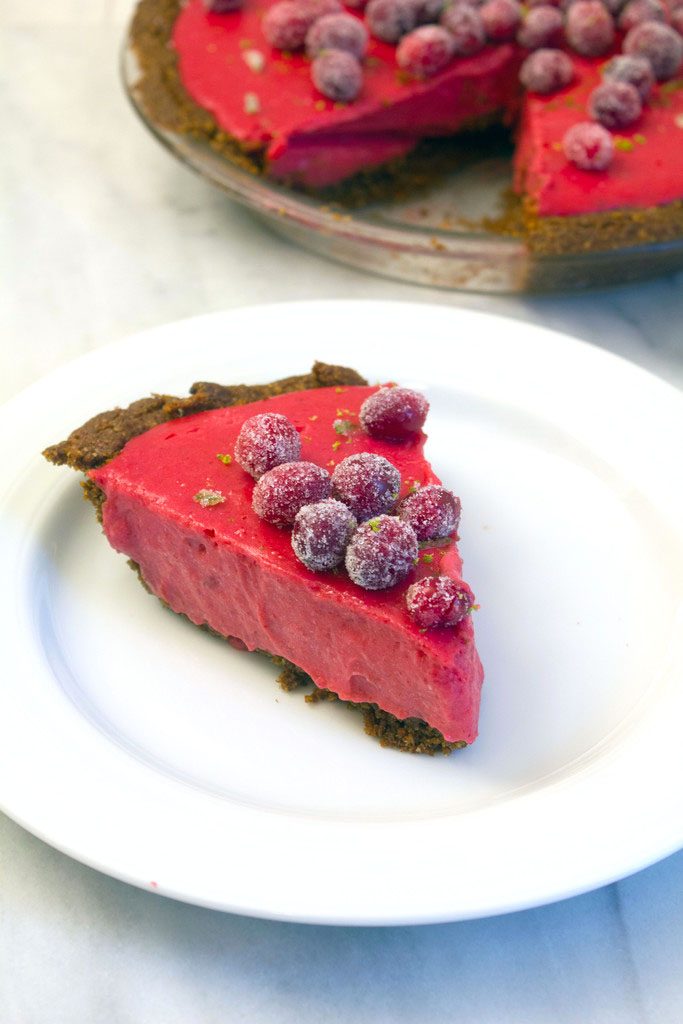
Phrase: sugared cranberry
pixel 543 3
pixel 615 104
pixel 382 552
pixel 541 27
pixel 588 146
pixel 282 491
pixel 394 413
pixel 337 32
pixel 265 441
pixel 432 511
pixel 337 75
pixel 637 11
pixel 438 601
pixel 425 51
pixel 677 20
pixel 222 6
pixel 636 71
pixel 322 533
pixel 464 23
pixel 589 28
pixel 389 20
pixel 545 71
pixel 367 483
pixel 660 44
pixel 320 8
pixel 501 19
pixel 285 25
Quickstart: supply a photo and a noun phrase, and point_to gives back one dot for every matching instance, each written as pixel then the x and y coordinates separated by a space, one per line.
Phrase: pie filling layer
pixel 224 567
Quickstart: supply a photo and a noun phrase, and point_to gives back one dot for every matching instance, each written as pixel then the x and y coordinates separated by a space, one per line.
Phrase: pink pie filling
pixel 223 566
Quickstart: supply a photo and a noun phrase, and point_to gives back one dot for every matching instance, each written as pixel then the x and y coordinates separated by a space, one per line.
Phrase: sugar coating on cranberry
pixel 425 51
pixel 466 27
pixel 545 71
pixel 382 552
pixel 660 44
pixel 541 27
pixel 637 11
pixel 588 146
pixel 589 28
pixel 501 19
pixel 389 20
pixel 432 511
pixel 285 25
pixel 337 32
pixel 636 71
pixel 438 601
pixel 394 414
pixel 615 104
pixel 367 483
pixel 319 8
pixel 677 20
pixel 265 441
pixel 321 534
pixel 427 12
pixel 282 491
pixel 337 75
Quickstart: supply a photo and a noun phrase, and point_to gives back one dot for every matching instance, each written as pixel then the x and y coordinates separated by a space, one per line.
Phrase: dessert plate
pixel 159 754
pixel 437 238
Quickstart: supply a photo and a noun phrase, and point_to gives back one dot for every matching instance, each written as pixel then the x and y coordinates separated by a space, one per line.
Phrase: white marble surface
pixel 103 234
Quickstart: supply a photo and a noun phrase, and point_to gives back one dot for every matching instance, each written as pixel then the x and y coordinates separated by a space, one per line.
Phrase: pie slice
pixel 172 497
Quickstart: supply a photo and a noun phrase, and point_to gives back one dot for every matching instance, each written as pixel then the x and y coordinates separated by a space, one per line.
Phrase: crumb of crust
pixel 103 436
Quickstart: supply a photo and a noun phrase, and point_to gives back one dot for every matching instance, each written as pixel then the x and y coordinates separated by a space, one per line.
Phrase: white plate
pixel 160 755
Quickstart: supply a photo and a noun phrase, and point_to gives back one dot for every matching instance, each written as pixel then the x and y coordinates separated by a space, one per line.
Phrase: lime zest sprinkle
pixel 207 497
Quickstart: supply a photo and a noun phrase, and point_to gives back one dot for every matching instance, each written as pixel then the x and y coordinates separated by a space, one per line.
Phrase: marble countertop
pixel 105 235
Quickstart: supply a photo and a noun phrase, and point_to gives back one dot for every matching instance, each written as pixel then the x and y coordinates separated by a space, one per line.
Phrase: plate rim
pixel 388 915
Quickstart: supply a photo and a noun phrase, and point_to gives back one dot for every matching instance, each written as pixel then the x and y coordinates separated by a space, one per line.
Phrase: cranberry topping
pixel 588 146
pixel 637 11
pixel 285 25
pixel 425 51
pixel 389 20
pixel 635 71
pixel 337 75
pixel 282 491
pixel 438 601
pixel 222 6
pixel 541 27
pixel 322 533
pixel 382 552
pixel 501 19
pixel 265 441
pixel 589 28
pixel 367 483
pixel 615 104
pixel 545 71
pixel 432 511
pixel 660 44
pixel 337 32
pixel 427 11
pixel 394 413
pixel 466 27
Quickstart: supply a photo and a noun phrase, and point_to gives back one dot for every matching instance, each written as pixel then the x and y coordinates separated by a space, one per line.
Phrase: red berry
pixel 322 533
pixel 636 71
pixel 266 440
pixel 501 19
pixel 541 27
pixel 337 75
pixel 427 12
pixel 425 51
pixel 337 32
pixel 282 491
pixel 589 28
pixel 222 6
pixel 588 146
pixel 615 104
pixel 320 8
pixel 382 552
pixel 285 25
pixel 546 71
pixel 438 601
pixel 466 27
pixel 660 44
pixel 394 413
pixel 432 511
pixel 637 11
pixel 388 20
pixel 367 483
pixel 677 20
